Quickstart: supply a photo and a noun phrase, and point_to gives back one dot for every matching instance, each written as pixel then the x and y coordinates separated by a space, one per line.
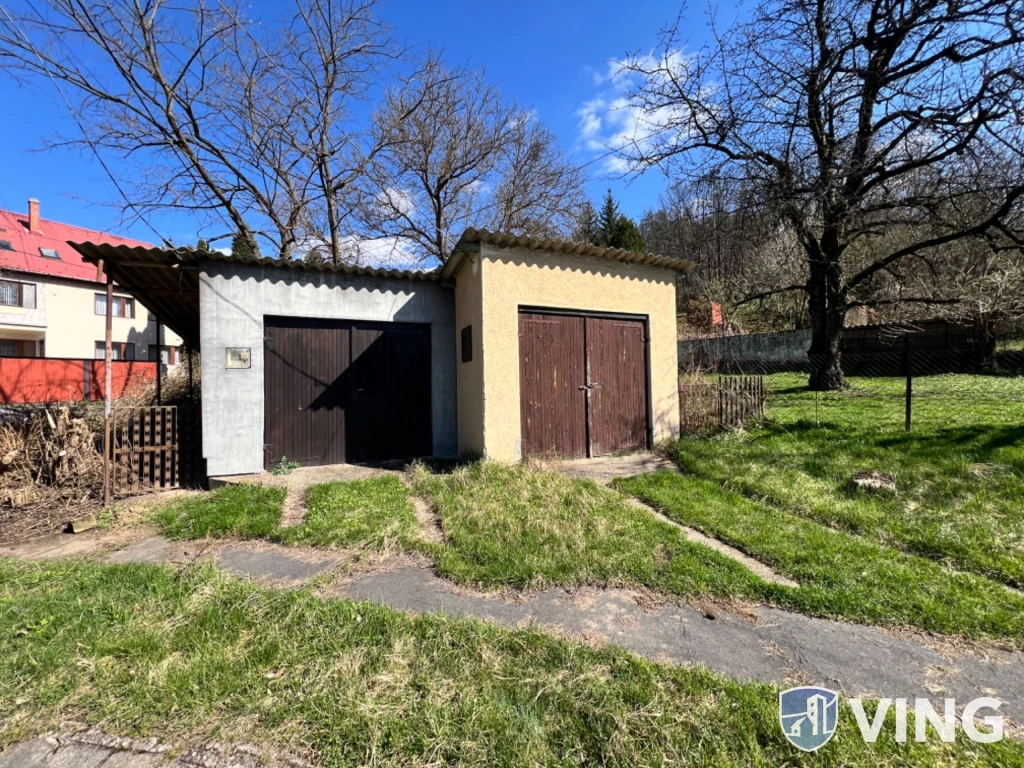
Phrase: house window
pixel 467 344
pixel 18 348
pixel 5 245
pixel 122 306
pixel 168 355
pixel 14 294
pixel 119 350
pixel 49 253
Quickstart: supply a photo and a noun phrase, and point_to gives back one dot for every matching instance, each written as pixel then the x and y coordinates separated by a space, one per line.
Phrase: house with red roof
pixel 53 303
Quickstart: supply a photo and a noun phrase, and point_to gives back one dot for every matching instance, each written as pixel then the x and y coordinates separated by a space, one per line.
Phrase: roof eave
pixel 474 238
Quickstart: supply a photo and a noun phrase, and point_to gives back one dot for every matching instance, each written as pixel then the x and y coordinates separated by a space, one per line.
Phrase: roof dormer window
pixel 49 253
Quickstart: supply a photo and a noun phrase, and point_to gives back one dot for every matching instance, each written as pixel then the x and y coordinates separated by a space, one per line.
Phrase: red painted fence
pixel 62 380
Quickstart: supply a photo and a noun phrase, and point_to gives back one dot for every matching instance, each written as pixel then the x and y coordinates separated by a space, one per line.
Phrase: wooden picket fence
pixel 729 402
pixel 155 447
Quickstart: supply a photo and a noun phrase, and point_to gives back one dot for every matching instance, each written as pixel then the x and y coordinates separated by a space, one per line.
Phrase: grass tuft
pixel 516 526
pixel 375 513
pixel 233 511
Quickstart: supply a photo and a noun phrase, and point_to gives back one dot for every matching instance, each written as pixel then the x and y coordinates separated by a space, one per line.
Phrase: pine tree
pixel 616 230
pixel 628 235
pixel 607 221
pixel 587 229
pixel 244 247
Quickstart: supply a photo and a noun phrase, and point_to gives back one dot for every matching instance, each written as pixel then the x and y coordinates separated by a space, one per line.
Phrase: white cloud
pixel 615 124
pixel 397 199
pixel 386 252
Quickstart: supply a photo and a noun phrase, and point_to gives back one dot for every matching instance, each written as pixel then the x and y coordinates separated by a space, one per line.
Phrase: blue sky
pixel 550 56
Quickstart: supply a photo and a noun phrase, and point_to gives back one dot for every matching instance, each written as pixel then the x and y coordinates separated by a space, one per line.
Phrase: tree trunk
pixel 827 307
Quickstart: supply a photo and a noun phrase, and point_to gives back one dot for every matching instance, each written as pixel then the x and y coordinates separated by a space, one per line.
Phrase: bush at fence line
pixel 48 454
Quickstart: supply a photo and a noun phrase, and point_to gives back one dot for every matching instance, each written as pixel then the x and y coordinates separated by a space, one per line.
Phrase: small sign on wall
pixel 238 357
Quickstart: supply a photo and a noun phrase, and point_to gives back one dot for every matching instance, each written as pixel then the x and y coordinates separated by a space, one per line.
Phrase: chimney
pixel 33 215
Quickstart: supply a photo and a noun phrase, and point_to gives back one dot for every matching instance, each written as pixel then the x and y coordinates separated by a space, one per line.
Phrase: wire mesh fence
pixel 907 383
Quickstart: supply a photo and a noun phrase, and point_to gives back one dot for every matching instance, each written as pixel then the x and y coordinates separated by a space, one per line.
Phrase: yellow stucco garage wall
pixel 470 375
pixel 512 278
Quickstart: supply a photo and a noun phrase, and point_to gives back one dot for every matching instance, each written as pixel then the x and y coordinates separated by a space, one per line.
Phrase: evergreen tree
pixel 202 245
pixel 616 230
pixel 315 257
pixel 587 228
pixel 628 235
pixel 244 247
pixel 607 221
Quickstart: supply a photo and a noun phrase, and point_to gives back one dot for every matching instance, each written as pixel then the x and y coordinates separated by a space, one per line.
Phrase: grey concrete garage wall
pixel 234 299
pixel 773 349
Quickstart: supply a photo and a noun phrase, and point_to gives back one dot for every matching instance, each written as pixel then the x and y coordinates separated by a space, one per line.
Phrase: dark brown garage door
pixel 583 384
pixel 343 391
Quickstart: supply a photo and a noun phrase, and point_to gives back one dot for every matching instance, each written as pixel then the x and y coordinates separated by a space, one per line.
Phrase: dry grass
pixel 50 471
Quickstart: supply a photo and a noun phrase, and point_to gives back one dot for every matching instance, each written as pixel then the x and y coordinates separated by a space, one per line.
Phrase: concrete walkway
pixel 747 643
pixel 76 747
pixel 743 642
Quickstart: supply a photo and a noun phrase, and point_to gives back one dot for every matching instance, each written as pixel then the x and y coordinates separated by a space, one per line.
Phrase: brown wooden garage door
pixel 344 391
pixel 583 384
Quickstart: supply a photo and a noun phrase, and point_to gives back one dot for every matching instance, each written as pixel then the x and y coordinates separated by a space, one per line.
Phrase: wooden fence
pixel 726 403
pixel 155 447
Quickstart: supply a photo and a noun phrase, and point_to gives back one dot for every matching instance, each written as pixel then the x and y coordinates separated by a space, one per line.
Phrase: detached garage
pixel 565 349
pixel 516 347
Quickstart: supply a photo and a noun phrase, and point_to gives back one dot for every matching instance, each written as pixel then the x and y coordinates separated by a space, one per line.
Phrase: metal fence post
pixel 108 355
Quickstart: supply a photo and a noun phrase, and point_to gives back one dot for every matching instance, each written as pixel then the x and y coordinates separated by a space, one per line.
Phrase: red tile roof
pixel 53 234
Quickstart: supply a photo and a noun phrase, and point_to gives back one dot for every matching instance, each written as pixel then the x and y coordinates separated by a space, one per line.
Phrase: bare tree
pixel 247 123
pixel 851 118
pixel 464 157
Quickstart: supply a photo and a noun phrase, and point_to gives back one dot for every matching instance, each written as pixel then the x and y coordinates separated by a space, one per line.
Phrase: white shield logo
pixel 808 716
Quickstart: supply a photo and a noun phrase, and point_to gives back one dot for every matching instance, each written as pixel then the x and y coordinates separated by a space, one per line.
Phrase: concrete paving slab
pixel 604 469
pixel 768 645
pixel 134 760
pixel 275 565
pixel 56 545
pixel 157 550
pixel 28 754
pixel 78 756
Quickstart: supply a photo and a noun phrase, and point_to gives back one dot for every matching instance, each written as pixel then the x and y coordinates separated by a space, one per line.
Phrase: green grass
pixel 374 513
pixel 515 526
pixel 146 650
pixel 959 473
pixel 233 511
pixel 840 575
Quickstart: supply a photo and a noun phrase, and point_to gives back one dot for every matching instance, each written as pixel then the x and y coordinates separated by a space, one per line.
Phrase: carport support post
pixel 108 355
pixel 159 363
